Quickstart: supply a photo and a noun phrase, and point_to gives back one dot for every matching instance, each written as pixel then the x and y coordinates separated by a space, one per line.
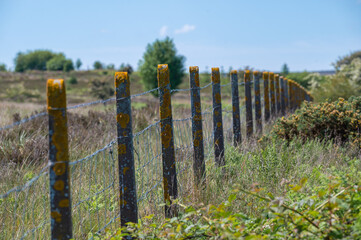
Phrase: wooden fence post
pixel 60 199
pixel 266 96
pixel 235 106
pixel 292 95
pixel 168 151
pixel 287 101
pixel 248 99
pixel 197 131
pixel 217 118
pixel 282 96
pixel 272 94
pixel 257 102
pixel 278 94
pixel 127 185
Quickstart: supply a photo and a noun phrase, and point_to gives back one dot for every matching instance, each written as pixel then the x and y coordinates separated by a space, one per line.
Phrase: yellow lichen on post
pixel 216 77
pixel 265 75
pixel 121 77
pixel 56 95
pixel 233 72
pixel 61 226
pixel 195 71
pixel 163 75
pixel 247 76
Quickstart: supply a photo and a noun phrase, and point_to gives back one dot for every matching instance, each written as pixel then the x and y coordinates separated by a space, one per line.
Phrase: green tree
pixel 161 52
pixel 285 70
pixel 98 65
pixel 33 60
pixel 346 60
pixel 78 64
pixel 2 67
pixel 111 66
pixel 126 68
pixel 59 63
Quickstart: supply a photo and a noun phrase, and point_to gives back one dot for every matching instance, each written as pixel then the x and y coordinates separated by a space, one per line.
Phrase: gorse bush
pixel 339 120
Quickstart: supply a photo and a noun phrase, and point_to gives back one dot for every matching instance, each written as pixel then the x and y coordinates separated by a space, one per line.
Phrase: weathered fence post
pixel 278 94
pixel 257 102
pixel 198 148
pixel 127 185
pixel 60 199
pixel 287 102
pixel 292 95
pixel 235 106
pixel 248 99
pixel 282 96
pixel 266 96
pixel 168 151
pixel 272 94
pixel 217 118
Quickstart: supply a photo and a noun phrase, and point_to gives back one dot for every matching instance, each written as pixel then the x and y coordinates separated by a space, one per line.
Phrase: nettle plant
pixel 339 120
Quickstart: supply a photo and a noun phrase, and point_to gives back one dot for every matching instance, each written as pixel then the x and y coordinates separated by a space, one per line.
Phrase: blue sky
pixel 264 34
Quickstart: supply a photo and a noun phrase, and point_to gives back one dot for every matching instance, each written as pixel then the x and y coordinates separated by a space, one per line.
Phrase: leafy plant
pixel 330 212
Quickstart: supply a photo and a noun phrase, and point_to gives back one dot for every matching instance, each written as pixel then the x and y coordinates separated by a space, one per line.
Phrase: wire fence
pixel 94 179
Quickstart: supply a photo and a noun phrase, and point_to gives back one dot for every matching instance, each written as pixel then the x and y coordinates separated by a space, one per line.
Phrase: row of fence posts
pixel 281 95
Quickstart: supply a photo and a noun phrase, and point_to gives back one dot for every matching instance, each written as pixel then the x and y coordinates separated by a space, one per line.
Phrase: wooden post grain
pixel 235 107
pixel 248 100
pixel 127 185
pixel 168 152
pixel 197 130
pixel 217 118
pixel 60 199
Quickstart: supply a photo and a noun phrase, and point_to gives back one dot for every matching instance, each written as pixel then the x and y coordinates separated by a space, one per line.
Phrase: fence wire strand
pixel 94 177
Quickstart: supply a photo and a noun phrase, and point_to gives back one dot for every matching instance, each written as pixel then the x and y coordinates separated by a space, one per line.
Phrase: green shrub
pixel 346 60
pixel 331 212
pixel 73 80
pixel 2 67
pixel 33 60
pixel 101 89
pixel 339 120
pixel 98 65
pixel 345 83
pixel 19 93
pixel 59 63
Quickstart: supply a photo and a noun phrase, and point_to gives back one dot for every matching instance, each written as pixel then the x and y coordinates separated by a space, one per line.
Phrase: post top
pixel 215 69
pixel 265 75
pixel 271 75
pixel 247 75
pixel 234 72
pixel 215 75
pixel 193 69
pixel 56 95
pixel 162 67
pixel 120 77
pixel 277 76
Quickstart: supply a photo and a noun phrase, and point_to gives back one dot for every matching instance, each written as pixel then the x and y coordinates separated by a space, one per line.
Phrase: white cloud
pixel 186 28
pixel 163 31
